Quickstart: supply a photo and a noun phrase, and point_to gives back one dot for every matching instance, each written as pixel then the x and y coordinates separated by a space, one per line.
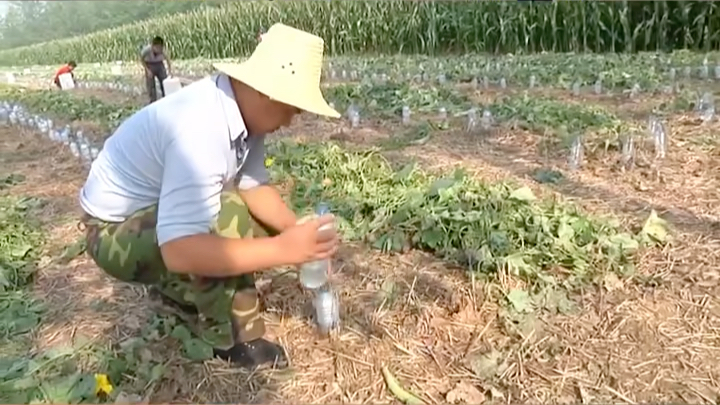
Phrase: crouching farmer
pixel 179 199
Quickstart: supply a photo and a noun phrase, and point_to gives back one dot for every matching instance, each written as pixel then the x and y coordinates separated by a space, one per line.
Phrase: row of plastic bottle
pixel 125 88
pixel 485 122
pixel 80 146
pixel 656 130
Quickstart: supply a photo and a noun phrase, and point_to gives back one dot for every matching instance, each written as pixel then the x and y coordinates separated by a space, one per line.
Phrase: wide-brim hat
pixel 285 66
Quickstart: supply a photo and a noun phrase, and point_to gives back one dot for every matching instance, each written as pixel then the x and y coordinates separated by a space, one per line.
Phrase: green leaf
pixel 440 184
pixel 196 349
pixel 433 238
pixel 520 300
pixel 625 242
pixel 656 228
pixel 157 372
pixel 181 333
pixel 524 194
pixel 405 172
pixel 565 232
pixel 72 251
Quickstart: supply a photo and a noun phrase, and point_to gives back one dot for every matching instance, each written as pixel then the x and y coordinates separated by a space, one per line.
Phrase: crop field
pixel 516 229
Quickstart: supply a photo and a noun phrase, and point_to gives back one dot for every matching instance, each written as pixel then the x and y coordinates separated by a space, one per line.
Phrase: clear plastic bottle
pixel 471 120
pixel 405 115
pixel 576 153
pixel 576 89
pixel 486 122
pixel 706 107
pixel 327 309
pixel 442 114
pixel 314 275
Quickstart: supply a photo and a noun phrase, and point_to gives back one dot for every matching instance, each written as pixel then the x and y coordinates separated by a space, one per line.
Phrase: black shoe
pixel 253 354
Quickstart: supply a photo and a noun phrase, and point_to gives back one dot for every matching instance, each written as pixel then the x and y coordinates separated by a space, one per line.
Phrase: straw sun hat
pixel 285 67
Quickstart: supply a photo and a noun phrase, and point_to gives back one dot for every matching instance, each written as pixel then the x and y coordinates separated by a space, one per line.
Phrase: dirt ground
pixel 652 338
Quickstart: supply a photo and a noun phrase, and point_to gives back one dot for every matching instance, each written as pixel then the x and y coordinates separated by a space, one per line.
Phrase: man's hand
pixel 305 242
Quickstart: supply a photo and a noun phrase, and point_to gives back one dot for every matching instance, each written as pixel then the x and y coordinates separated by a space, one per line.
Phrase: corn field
pixel 404 26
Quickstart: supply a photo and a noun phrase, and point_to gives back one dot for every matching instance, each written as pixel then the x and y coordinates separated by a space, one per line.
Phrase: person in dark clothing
pixel 153 58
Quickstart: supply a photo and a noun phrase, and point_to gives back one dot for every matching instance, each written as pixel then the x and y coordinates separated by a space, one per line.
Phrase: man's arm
pixel 143 54
pixel 263 201
pixel 189 202
pixel 266 205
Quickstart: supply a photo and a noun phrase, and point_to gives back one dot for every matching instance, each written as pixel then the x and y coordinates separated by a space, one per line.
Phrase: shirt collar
pixel 235 122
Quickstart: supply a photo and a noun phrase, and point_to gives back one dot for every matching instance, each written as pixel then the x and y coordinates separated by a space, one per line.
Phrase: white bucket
pixel 66 81
pixel 171 85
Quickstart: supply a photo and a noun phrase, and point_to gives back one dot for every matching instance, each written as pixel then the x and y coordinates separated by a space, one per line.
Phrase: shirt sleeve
pixel 253 172
pixel 191 185
pixel 145 52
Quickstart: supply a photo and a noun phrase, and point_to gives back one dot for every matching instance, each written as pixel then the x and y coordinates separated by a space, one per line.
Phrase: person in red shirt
pixel 67 68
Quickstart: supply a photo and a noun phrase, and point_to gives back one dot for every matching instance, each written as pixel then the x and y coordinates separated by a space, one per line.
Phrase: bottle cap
pixel 322 209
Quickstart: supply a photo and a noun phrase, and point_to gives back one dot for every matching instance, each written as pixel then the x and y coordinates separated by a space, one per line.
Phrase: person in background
pixel 179 198
pixel 66 68
pixel 153 58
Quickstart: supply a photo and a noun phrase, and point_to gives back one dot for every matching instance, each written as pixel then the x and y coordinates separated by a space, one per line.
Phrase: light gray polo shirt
pixel 149 56
pixel 177 152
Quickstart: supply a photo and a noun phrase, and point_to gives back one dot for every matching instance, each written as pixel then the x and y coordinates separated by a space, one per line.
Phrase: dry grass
pixel 652 338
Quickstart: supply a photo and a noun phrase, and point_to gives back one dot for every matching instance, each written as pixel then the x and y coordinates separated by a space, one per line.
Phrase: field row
pixel 404 26
pixel 400 195
pixel 644 72
pixel 540 276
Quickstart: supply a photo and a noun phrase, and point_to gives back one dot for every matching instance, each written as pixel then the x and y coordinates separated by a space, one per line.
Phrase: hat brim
pixel 311 101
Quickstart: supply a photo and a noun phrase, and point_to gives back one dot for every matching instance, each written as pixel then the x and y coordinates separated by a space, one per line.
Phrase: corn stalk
pixel 405 26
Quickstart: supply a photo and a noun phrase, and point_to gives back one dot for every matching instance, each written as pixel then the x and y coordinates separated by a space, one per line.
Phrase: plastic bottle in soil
pixel 471 120
pixel 314 274
pixel 659 136
pixel 576 89
pixel 576 153
pixel 503 83
pixel 327 309
pixel 704 72
pixel 706 107
pixel 533 81
pixel 442 114
pixel 486 121
pixel 405 115
pixel 597 88
pixel 353 115
pixel 4 114
pixel 628 152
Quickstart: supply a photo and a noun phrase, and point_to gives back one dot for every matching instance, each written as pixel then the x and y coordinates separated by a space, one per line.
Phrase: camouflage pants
pixel 228 308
